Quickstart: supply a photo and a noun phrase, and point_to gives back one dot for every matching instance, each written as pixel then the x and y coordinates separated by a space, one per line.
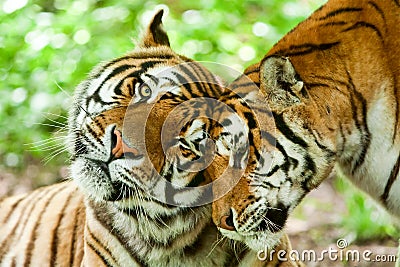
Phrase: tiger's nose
pixel 120 148
pixel 226 222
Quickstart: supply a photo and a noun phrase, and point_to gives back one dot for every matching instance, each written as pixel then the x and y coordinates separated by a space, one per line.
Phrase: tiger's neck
pixel 348 60
pixel 184 238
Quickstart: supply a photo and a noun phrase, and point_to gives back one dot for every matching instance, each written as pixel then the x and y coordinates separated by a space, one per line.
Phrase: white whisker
pixel 62 90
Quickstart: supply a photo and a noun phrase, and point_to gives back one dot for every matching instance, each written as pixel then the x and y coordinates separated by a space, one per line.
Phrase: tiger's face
pixel 286 160
pixel 121 149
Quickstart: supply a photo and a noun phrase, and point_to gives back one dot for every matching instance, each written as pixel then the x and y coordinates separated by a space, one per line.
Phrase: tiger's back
pixel 48 222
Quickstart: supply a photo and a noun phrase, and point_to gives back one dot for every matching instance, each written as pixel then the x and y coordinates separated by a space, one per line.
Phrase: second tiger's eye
pixel 145 91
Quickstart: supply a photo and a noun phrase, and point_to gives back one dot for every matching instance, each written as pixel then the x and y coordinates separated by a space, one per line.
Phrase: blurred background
pixel 48 46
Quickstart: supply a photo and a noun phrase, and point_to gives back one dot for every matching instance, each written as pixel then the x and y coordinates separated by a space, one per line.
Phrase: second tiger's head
pixel 283 160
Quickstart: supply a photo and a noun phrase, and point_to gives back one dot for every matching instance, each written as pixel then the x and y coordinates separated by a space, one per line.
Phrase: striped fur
pixel 116 210
pixel 52 226
pixel 332 85
pixel 48 222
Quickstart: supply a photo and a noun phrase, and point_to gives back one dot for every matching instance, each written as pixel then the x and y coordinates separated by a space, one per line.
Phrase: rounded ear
pixel 155 34
pixel 280 82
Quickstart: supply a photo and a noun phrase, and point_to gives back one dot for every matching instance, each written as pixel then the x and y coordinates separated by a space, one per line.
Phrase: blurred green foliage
pixel 48 47
pixel 364 219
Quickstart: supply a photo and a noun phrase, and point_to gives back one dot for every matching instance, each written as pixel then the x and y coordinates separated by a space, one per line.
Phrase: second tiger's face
pixel 279 170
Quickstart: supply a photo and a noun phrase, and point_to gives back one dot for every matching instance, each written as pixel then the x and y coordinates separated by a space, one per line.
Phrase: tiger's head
pixel 286 157
pixel 139 125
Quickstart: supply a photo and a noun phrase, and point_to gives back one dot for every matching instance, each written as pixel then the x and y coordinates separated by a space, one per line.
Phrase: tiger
pixel 331 88
pixel 137 188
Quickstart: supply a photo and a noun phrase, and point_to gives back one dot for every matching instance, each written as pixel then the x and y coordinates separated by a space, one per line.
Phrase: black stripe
pixel 251 121
pixel 277 216
pixel 397 2
pixel 12 208
pixel 250 72
pixel 104 260
pixel 142 69
pixel 96 121
pixel 364 131
pixel 190 73
pixel 103 257
pixel 55 232
pixel 209 79
pixel 304 49
pixel 333 23
pixel 393 175
pixel 360 159
pixel 135 74
pixel 363 24
pixel 95 135
pixel 102 245
pixel 96 97
pixel 270 173
pixel 286 131
pixel 341 11
pixel 77 222
pixel 234 86
pixel 185 215
pixel 4 246
pixel 135 57
pixel 33 236
pixel 311 85
pixel 155 80
pixel 344 140
pixel 309 166
pixel 317 136
pixel 309 163
pixel 115 72
pixel 182 82
pixel 88 141
pixel 397 109
pixel 288 160
pixel 107 223
pixel 378 9
pixel 329 79
pixel 149 64
pixel 79 147
pixel 193 79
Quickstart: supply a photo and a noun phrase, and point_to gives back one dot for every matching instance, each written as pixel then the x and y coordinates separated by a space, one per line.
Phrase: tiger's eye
pixel 145 91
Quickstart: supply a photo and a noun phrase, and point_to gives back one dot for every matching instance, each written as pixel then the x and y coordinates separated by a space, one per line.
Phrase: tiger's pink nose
pixel 120 147
pixel 226 222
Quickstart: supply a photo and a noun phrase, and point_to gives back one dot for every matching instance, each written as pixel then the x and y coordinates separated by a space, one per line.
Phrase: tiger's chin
pixel 97 180
pixel 256 241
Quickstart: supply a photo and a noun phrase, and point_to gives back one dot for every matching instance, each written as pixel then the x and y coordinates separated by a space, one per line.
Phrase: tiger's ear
pixel 280 82
pixel 155 34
